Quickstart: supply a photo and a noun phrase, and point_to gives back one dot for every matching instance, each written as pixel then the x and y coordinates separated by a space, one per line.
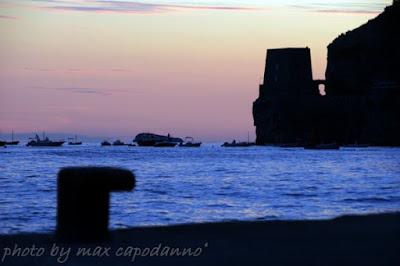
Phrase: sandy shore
pixel 348 240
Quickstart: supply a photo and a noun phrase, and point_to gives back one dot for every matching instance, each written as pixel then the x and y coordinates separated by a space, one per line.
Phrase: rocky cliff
pixel 366 57
pixel 362 102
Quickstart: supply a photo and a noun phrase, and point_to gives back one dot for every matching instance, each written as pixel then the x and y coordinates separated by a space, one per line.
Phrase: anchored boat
pixel 75 141
pixel 239 144
pixel 12 142
pixel 149 139
pixel 189 142
pixel 118 143
pixel 236 144
pixel 45 142
pixel 105 143
pixel 165 144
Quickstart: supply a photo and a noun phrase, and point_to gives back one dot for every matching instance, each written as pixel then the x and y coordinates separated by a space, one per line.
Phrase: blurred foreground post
pixel 83 196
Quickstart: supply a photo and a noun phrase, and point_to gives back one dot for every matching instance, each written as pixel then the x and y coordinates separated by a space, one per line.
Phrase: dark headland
pixel 362 85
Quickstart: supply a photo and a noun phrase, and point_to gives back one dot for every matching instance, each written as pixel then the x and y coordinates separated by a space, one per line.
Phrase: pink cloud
pixel 338 11
pixel 107 6
pixel 8 17
pixel 342 8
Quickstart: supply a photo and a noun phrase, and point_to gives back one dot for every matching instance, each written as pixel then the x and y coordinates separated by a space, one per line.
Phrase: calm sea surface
pixel 181 185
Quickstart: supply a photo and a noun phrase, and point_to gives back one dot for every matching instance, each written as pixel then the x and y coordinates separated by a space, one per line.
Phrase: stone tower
pixel 288 73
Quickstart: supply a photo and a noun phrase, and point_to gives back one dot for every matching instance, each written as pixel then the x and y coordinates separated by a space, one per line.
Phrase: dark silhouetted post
pixel 83 201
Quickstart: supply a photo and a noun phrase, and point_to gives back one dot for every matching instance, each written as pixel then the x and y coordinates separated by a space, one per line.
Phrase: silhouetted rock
pixel 83 201
pixel 362 102
pixel 366 58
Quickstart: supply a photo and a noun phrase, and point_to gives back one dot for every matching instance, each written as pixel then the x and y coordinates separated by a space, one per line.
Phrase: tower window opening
pixel 321 88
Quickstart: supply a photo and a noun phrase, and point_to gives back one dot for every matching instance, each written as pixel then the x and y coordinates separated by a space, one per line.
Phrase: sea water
pixel 210 183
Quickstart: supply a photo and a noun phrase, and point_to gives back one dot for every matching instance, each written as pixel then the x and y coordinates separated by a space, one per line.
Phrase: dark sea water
pixel 182 185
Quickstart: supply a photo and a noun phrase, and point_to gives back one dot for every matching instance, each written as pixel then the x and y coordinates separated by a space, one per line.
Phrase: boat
pixel 131 145
pixel 118 143
pixel 45 142
pixel 150 139
pixel 3 143
pixel 329 146
pixel 189 142
pixel 75 141
pixel 105 143
pixel 12 142
pixel 237 144
pixel 165 144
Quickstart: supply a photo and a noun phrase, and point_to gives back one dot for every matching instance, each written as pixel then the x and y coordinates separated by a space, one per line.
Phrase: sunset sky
pixel 118 68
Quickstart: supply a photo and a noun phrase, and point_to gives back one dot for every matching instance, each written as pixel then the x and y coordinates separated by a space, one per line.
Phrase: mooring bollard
pixel 83 196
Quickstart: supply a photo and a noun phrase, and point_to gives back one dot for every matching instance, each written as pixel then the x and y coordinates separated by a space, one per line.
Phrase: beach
pixel 348 240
